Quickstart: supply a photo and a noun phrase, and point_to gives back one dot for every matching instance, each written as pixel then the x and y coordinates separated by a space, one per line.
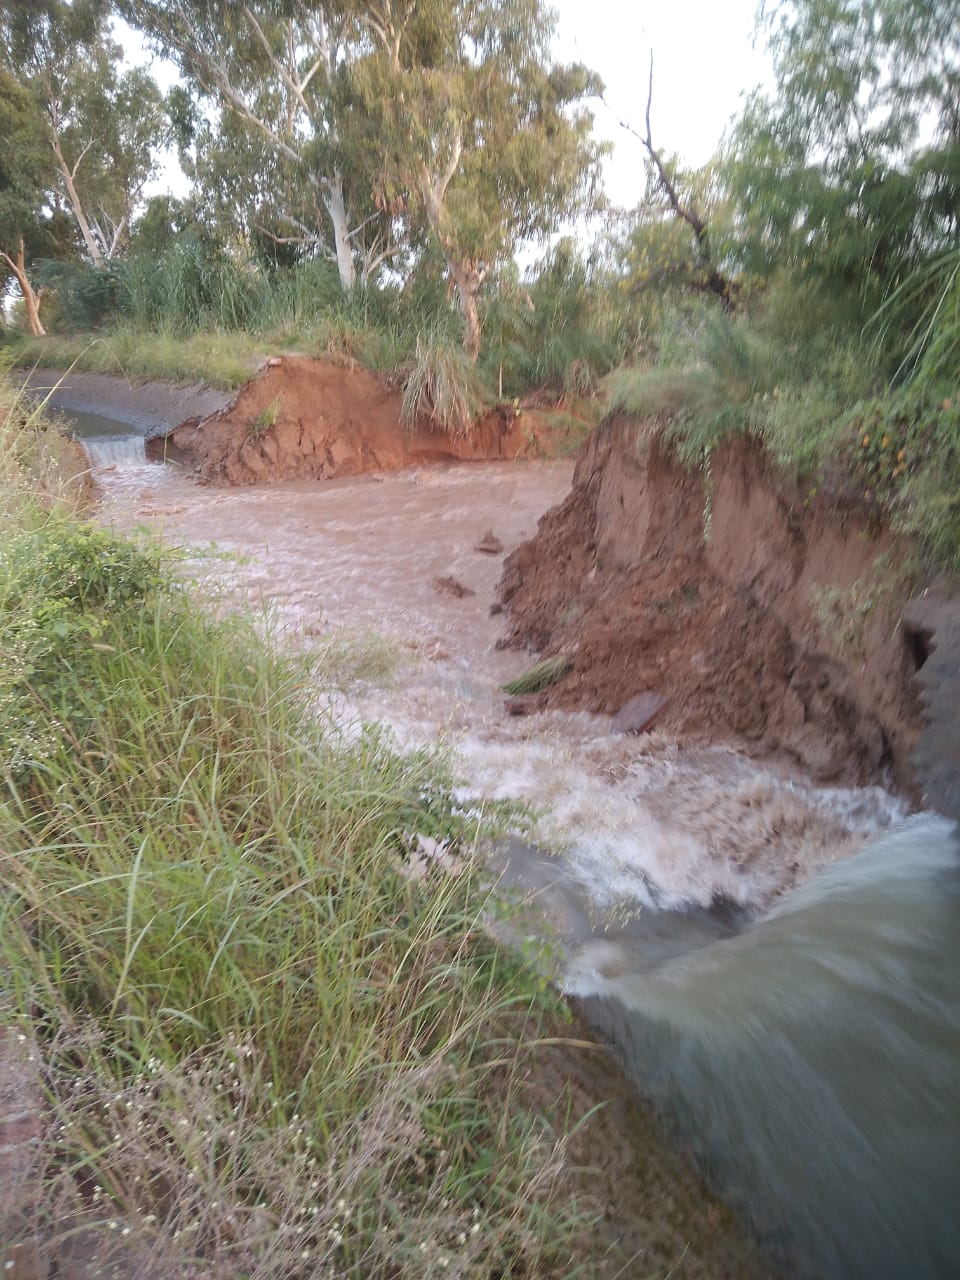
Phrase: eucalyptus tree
pixel 466 123
pixel 103 124
pixel 274 67
pixel 25 170
pixel 398 119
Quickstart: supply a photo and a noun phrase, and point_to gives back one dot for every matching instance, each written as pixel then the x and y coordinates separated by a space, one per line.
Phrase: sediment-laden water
pixel 108 443
pixel 811 1055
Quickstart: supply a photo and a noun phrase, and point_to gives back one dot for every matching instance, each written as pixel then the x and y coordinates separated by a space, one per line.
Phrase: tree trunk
pixel 341 234
pixel 31 300
pixel 468 279
pixel 89 239
pixel 467 289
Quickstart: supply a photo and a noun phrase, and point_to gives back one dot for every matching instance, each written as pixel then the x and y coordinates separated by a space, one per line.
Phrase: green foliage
pixel 563 331
pixel 192 285
pixel 442 385
pixel 834 177
pixel 24 171
pixel 266 418
pixel 905 448
pixel 66 593
pixel 102 124
pixel 921 320
pixel 274 1032
pixel 540 676
pixel 84 297
pixel 221 359
pixel 711 382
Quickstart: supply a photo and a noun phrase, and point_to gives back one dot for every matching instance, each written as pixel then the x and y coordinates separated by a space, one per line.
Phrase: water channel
pixel 776 962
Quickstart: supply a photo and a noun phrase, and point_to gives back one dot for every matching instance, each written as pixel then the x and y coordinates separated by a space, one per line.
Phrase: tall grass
pixel 219 359
pixel 273 1036
pixel 39 466
pixel 442 385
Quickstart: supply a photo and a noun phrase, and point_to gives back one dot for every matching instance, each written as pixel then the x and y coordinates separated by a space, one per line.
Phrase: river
pixel 776 962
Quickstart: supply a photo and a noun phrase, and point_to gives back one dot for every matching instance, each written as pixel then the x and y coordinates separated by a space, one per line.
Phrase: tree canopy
pixel 355 129
pixel 851 173
pixel 103 124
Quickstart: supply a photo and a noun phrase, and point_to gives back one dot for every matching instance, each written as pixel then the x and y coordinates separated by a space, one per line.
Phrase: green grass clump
pixel 275 1037
pixel 540 676
pixel 442 385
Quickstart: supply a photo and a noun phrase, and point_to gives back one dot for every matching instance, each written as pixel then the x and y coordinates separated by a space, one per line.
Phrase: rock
pixel 524 706
pixel 489 544
pixel 640 713
pixel 274 362
pixel 451 587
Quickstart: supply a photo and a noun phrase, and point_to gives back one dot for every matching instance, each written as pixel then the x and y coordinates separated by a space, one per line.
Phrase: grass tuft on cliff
pixel 540 676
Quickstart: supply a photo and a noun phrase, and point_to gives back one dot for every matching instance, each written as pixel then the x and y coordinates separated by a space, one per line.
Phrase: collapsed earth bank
pixel 308 419
pixel 768 615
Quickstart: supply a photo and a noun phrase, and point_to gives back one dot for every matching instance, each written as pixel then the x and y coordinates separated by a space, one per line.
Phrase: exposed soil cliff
pixel 316 419
pixel 768 615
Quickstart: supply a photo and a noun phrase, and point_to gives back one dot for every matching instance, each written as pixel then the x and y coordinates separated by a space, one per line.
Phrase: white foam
pixel 116 451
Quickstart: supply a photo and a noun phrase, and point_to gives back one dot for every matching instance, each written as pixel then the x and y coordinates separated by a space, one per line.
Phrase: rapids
pixel 813 1061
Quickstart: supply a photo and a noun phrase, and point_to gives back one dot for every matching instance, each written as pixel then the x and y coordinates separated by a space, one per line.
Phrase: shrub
pixel 441 384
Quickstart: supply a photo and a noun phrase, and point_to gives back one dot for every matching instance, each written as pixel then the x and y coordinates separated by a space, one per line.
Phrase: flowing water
pixel 813 1061
pixel 108 443
pixel 808 1052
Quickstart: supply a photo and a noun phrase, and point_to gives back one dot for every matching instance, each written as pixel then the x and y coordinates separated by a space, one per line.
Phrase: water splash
pixel 115 451
pixel 641 820
pixel 813 1061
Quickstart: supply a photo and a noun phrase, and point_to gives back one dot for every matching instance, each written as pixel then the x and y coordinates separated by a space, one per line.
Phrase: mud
pixel 767 615
pixel 306 419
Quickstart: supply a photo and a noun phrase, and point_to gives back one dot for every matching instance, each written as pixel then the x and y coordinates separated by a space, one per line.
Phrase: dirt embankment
pixel 306 419
pixel 778 629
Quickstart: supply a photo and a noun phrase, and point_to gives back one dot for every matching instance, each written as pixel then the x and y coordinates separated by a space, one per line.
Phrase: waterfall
pixel 115 451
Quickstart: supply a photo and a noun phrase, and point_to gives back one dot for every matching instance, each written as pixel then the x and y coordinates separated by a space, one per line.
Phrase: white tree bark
pixel 334 204
pixel 92 245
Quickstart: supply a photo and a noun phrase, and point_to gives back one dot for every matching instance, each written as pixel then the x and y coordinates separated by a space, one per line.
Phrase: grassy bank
pixel 273 1038
pixel 217 359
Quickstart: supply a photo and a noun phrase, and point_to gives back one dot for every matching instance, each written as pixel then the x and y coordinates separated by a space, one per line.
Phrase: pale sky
pixel 705 62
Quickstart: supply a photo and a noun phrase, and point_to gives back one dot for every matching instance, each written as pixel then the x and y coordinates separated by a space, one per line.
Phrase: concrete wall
pixel 152 408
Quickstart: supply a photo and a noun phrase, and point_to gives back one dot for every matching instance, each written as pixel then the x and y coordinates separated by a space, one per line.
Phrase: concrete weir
pixel 151 408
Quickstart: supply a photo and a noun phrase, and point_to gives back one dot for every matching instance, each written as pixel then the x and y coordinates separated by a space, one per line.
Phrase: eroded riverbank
pixel 360 557
pixel 642 821
pixel 637 839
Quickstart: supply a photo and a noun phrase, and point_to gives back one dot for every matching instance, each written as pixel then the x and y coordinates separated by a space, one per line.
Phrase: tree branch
pixel 714 281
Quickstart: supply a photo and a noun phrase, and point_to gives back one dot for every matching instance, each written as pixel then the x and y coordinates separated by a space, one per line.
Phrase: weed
pixel 265 419
pixel 442 385
pixel 540 676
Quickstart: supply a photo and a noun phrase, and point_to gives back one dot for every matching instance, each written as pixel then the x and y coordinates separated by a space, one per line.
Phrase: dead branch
pixel 712 279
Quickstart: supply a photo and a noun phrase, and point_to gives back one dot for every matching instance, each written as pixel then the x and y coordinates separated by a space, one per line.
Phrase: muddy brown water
pixel 811 1057
pixel 642 821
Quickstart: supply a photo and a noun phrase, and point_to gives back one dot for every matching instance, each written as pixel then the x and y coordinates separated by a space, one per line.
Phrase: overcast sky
pixel 705 61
